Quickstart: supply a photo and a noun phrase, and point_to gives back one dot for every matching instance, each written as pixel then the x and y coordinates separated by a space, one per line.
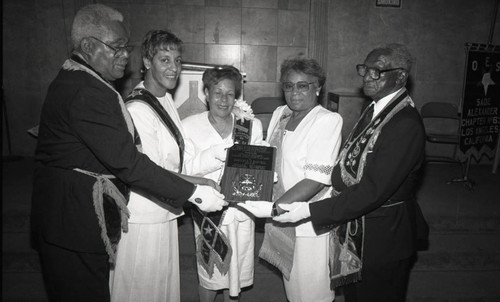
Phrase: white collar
pixel 382 103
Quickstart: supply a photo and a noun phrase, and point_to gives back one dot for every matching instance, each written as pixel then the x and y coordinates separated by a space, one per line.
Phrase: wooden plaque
pixel 249 173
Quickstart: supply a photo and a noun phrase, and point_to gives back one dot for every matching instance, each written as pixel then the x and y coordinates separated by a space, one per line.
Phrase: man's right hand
pixel 294 212
pixel 207 199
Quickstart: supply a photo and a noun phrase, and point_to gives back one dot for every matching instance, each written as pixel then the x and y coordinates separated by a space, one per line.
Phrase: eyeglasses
pixel 118 50
pixel 302 86
pixel 373 72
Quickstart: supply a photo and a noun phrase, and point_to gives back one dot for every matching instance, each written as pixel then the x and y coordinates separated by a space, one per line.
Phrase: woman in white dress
pixel 308 139
pixel 230 266
pixel 147 265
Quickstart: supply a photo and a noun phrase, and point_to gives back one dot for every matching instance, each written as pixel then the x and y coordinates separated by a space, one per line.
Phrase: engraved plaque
pixel 249 173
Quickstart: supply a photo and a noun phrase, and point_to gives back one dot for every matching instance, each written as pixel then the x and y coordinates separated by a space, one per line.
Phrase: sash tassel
pixel 103 187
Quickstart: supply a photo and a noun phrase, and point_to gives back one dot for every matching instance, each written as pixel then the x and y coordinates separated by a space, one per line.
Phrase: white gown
pixel 147 265
pixel 309 151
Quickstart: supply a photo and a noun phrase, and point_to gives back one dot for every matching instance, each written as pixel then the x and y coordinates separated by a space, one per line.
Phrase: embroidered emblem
pixel 356 150
pixel 247 186
pixel 212 246
pixel 285 116
pixel 135 93
pixel 352 158
pixel 208 230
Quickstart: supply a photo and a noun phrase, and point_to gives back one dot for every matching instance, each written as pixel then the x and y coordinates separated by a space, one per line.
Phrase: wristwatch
pixel 274 211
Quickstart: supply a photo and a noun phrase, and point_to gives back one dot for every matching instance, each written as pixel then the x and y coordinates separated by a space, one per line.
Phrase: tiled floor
pixel 462 262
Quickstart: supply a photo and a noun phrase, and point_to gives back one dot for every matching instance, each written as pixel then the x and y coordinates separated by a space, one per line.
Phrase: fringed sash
pixel 111 209
pixel 279 241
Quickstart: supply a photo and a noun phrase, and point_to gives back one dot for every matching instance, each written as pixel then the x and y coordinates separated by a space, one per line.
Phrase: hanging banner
pixel 480 123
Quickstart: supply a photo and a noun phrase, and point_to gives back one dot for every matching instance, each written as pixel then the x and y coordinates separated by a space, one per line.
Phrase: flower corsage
pixel 242 110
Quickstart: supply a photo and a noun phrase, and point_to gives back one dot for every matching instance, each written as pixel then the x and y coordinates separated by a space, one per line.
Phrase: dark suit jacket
pixel 82 126
pixel 391 173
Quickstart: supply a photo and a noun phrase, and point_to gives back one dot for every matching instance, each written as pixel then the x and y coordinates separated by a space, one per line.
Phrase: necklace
pixel 221 131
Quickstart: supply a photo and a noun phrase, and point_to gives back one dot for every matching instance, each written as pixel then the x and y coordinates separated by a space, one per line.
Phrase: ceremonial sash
pixel 360 141
pixel 347 240
pixel 142 95
pixel 77 63
pixel 213 247
pixel 279 241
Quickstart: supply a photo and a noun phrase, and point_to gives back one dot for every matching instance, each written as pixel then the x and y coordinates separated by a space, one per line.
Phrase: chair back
pixel 442 125
pixel 440 110
pixel 266 104
pixel 263 109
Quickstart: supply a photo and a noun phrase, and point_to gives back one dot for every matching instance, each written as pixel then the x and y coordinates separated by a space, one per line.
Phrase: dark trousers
pixel 72 276
pixel 385 282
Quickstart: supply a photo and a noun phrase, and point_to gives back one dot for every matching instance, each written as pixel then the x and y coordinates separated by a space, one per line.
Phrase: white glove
pixel 275 177
pixel 295 211
pixel 220 150
pixel 207 199
pixel 260 209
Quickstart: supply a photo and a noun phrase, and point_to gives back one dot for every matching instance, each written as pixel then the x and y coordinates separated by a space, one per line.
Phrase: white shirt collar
pixel 382 103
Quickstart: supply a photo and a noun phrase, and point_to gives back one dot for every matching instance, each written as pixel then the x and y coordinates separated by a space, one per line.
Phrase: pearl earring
pixel 317 93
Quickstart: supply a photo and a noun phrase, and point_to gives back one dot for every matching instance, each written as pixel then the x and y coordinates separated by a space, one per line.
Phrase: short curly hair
pixel 399 55
pixel 91 20
pixel 304 65
pixel 157 39
pixel 223 72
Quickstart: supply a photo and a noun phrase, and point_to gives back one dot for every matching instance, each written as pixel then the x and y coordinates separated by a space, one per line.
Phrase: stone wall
pixel 253 35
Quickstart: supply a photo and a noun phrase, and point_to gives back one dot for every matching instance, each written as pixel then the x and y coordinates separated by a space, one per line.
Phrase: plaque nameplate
pixel 242 132
pixel 248 173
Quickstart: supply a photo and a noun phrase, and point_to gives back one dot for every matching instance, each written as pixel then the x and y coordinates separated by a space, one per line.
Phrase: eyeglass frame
pixel 295 85
pixel 379 72
pixel 117 50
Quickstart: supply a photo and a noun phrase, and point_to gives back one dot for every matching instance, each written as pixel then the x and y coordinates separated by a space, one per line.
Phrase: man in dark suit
pixel 375 180
pixel 86 160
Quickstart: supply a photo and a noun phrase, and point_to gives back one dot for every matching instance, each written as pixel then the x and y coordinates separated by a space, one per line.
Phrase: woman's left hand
pixel 213 184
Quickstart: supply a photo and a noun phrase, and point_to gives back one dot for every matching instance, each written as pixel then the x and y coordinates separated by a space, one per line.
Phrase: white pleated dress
pixel 147 265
